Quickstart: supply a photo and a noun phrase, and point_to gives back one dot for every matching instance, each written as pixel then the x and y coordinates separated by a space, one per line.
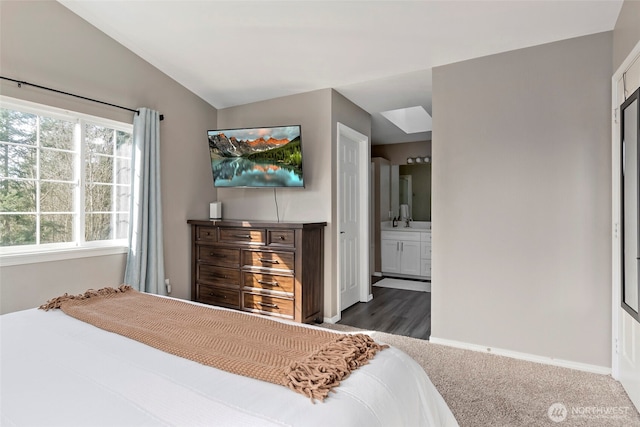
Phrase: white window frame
pixel 27 254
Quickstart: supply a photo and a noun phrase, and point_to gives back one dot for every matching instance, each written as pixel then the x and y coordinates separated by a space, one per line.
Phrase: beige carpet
pixel 487 390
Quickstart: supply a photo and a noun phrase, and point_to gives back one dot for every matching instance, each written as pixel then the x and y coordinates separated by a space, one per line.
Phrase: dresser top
pixel 251 223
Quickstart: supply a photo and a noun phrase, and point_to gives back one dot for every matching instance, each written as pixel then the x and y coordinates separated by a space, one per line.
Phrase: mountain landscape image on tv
pixel 256 157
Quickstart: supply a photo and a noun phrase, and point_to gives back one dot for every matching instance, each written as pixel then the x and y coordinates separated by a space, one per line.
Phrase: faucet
pixel 407 222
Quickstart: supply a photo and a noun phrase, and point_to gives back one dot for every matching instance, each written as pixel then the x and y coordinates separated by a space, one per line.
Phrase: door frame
pixel 364 165
pixel 616 214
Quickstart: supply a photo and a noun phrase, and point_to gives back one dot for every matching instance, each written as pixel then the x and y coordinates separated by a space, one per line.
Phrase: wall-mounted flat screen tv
pixel 257 157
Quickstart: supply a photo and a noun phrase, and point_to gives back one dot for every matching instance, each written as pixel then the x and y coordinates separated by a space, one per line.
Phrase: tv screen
pixel 257 157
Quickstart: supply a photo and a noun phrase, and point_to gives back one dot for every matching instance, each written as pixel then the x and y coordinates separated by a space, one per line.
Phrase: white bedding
pixel 58 371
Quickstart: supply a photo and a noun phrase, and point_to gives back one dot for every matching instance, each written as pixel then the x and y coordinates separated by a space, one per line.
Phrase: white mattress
pixel 58 371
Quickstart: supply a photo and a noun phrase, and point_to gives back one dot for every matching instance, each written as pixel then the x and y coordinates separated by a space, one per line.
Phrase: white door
pixel 410 258
pixel 390 256
pixel 352 216
pixel 626 256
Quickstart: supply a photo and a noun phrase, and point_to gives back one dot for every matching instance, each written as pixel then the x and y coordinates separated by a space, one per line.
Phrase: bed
pixel 56 370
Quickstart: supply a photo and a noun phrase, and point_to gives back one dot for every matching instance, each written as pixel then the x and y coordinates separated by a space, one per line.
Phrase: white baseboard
pixel 369 297
pixel 334 319
pixel 524 356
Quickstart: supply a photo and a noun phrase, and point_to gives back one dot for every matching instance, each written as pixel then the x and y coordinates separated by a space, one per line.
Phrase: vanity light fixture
pixel 412 160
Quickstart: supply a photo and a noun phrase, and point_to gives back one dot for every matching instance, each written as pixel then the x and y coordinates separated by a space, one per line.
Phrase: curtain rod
pixel 20 83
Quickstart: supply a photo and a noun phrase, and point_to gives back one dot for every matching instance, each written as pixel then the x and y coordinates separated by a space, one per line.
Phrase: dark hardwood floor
pixel 394 311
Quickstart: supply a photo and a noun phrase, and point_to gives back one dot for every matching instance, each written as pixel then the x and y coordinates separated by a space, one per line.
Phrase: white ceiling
pixel 378 54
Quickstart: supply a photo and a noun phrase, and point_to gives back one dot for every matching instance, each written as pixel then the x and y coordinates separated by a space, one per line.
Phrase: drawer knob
pixel 282 237
pixel 270 261
pixel 213 294
pixel 242 236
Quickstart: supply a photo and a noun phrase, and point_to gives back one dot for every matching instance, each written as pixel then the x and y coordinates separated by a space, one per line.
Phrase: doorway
pixel 405 308
pixel 626 222
pixel 353 216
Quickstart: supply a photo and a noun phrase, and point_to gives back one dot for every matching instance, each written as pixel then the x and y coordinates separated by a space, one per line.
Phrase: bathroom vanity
pixel 392 186
pixel 406 251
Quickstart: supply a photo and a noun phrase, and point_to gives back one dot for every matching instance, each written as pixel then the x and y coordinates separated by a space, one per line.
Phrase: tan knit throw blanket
pixel 309 361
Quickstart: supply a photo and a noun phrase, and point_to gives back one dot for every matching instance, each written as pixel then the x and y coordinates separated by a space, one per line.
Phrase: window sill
pixel 7 260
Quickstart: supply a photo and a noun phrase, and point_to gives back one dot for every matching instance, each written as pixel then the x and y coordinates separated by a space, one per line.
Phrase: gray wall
pixel 312 111
pixel 45 43
pixel 522 201
pixel 397 153
pixel 317 113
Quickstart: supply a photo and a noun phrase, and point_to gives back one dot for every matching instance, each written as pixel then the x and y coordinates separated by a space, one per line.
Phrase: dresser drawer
pixel 218 296
pixel 218 275
pixel 225 257
pixel 266 304
pixel 242 235
pixel 281 238
pixel 206 234
pixel 268 259
pixel 269 282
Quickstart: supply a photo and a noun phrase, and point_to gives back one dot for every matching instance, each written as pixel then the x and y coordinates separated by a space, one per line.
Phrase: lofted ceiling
pixel 378 54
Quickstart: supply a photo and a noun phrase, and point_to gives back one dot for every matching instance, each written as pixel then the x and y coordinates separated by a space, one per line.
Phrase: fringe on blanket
pixel 54 303
pixel 320 373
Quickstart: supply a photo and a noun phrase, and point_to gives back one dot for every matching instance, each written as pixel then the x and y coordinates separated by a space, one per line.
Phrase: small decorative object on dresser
pixel 271 268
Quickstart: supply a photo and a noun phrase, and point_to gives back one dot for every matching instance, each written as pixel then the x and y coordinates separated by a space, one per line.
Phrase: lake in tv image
pixel 257 157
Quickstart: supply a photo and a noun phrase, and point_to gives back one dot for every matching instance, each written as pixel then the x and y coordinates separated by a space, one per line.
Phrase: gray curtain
pixel 145 260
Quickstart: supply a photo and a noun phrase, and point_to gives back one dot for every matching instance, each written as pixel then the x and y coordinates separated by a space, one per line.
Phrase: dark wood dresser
pixel 271 268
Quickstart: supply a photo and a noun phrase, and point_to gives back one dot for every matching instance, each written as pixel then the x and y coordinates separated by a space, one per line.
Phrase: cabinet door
pixel 425 251
pixel 425 269
pixel 410 258
pixel 389 254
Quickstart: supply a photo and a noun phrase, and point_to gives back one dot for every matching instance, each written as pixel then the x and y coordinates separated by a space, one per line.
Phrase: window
pixel 64 179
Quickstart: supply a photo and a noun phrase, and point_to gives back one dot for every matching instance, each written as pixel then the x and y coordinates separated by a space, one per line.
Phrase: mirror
pixel 630 140
pixel 411 185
